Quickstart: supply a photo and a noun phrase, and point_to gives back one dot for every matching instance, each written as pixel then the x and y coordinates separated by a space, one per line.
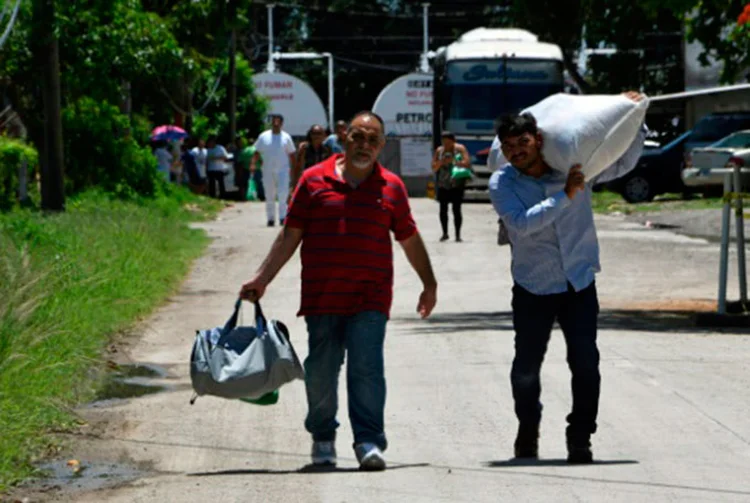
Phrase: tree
pixel 740 40
pixel 148 59
pixel 713 23
pixel 717 26
pixel 47 48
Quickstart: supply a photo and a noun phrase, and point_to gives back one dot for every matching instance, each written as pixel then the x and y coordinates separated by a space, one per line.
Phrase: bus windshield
pixel 483 90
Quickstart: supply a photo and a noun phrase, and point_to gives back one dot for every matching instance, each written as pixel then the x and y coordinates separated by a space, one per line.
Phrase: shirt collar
pixel 331 174
pixel 552 175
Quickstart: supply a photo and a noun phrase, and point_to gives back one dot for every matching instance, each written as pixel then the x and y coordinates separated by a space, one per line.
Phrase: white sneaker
pixel 370 457
pixel 324 453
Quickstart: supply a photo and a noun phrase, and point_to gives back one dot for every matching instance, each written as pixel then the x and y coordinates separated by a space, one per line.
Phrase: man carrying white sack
pixel 555 258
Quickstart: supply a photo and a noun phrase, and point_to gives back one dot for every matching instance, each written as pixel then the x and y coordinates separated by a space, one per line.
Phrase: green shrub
pixel 13 153
pixel 101 151
pixel 68 282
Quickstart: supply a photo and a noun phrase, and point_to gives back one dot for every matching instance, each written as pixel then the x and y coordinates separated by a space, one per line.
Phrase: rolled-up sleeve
pixel 514 213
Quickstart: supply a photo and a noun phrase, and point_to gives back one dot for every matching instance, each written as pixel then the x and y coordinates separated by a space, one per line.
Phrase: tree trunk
pixel 232 94
pixel 51 158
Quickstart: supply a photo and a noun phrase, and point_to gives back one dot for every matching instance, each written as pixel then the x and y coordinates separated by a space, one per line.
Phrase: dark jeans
pixel 361 337
pixel 242 180
pixel 258 177
pixel 533 317
pixel 453 196
pixel 214 178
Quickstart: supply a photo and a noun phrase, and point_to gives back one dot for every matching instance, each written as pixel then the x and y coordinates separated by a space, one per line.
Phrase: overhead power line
pixel 392 68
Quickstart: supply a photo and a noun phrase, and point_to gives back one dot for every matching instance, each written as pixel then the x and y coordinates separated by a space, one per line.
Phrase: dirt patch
pixel 668 305
pixel 87 467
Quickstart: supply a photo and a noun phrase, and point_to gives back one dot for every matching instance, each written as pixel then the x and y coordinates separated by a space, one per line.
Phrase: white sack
pixel 591 130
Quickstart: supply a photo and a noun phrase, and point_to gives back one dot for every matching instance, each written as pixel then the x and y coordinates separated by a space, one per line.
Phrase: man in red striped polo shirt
pixel 343 212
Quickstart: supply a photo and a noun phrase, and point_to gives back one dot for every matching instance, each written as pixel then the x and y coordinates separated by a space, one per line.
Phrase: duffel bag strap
pixel 260 319
pixel 232 321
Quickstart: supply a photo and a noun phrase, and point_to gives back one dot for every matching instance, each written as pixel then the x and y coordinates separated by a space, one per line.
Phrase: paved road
pixel 674 411
pixel 705 223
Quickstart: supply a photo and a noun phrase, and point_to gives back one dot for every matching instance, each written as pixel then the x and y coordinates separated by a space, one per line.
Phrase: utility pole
pixel 232 94
pixel 48 57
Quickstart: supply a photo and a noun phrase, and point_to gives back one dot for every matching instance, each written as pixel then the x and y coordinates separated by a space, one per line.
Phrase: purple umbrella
pixel 168 132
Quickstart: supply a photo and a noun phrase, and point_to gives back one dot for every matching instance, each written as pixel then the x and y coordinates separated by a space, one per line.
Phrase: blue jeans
pixel 533 318
pixel 361 336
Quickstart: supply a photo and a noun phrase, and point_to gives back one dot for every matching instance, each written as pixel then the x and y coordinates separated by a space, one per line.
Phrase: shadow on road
pixel 509 463
pixel 307 469
pixel 638 320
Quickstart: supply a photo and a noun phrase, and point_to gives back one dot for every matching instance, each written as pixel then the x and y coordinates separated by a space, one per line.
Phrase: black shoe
pixel 459 240
pixel 444 238
pixel 579 450
pixel 527 442
pixel 271 223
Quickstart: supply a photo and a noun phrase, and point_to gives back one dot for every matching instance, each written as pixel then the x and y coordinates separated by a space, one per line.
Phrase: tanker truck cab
pixel 486 73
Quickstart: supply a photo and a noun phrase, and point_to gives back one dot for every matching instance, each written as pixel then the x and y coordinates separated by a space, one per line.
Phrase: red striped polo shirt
pixel 347 253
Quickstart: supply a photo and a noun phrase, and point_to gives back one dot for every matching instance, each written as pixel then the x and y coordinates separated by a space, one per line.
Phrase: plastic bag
pixel 252 191
pixel 459 173
pixel 269 398
pixel 591 130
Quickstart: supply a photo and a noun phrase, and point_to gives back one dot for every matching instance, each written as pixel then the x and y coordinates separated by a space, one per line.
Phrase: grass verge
pixel 68 282
pixel 611 202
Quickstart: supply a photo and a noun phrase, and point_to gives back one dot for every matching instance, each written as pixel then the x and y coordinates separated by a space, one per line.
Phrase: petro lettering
pixel 413 118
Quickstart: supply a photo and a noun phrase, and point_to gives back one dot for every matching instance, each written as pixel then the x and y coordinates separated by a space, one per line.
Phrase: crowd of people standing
pixel 274 166
pixel 272 163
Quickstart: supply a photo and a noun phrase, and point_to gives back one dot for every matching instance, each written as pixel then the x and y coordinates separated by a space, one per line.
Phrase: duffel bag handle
pixel 260 319
pixel 232 321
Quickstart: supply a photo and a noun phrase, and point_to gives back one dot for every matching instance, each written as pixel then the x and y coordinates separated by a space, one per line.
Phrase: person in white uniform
pixel 277 149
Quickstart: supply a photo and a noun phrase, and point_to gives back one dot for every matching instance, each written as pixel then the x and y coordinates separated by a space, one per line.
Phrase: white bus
pixel 486 73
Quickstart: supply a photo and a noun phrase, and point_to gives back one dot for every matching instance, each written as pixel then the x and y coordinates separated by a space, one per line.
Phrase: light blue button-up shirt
pixel 553 238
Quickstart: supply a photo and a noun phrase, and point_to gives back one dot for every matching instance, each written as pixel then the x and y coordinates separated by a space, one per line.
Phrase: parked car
pixel 713 127
pixel 657 172
pixel 734 150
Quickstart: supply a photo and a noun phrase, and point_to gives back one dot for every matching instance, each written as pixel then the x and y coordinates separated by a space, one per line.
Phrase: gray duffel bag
pixel 243 362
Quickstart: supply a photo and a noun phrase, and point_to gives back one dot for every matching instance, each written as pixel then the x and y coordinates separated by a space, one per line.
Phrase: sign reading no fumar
pixel 406 105
pixel 293 98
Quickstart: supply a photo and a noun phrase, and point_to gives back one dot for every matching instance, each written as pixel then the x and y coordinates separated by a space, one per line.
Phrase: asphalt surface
pixel 674 409
pixel 704 224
